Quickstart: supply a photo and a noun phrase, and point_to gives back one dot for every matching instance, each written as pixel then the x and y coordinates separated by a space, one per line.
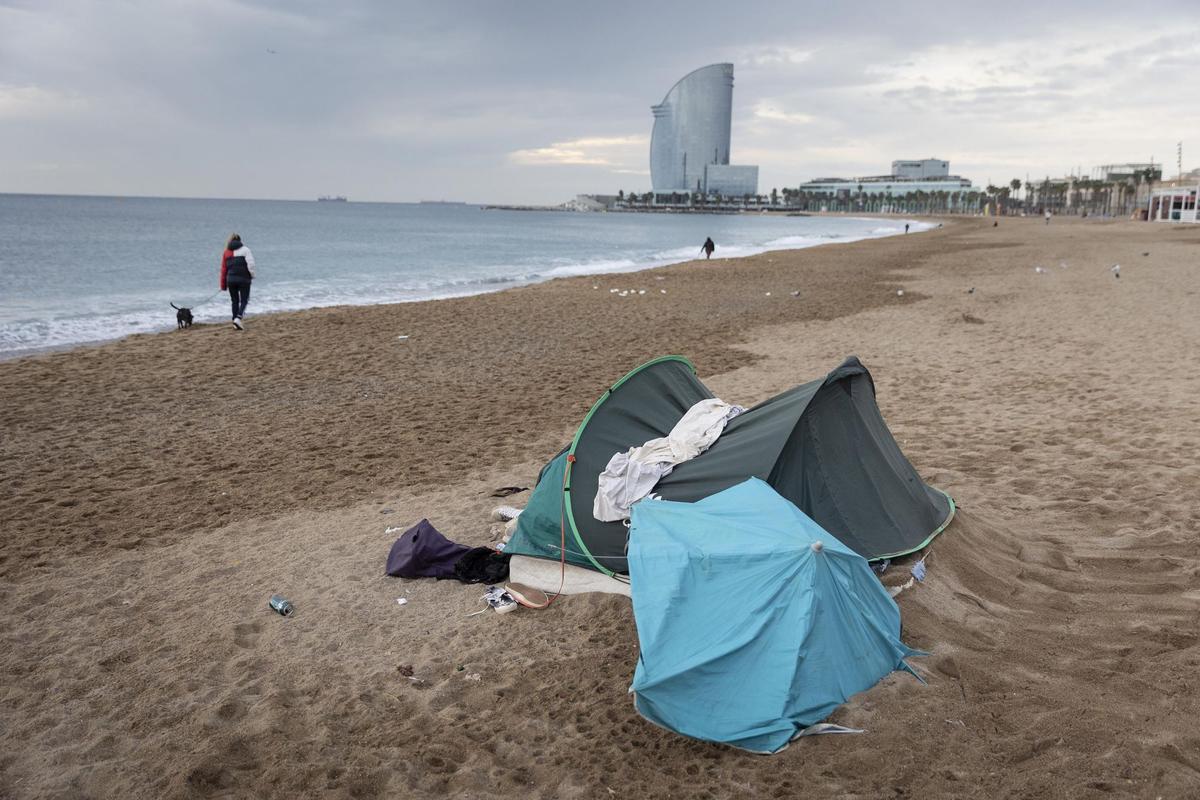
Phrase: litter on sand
pixel 527 596
pixel 401 601
pixel 918 570
pixel 505 513
pixel 827 727
pixel 500 600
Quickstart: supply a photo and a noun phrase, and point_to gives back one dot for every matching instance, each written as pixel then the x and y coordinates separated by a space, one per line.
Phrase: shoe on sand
pixel 237 323
pixel 527 595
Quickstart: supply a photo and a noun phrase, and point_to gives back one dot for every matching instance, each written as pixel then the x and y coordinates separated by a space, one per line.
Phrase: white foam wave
pixel 92 322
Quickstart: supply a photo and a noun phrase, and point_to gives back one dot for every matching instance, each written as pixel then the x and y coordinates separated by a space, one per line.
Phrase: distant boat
pixel 331 199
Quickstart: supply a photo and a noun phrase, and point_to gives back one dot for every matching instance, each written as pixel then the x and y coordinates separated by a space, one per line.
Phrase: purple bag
pixel 422 552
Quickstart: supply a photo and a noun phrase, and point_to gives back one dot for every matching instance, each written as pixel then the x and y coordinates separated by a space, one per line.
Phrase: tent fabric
pixel 823 445
pixel 539 531
pixel 750 631
pixel 645 404
pixel 422 552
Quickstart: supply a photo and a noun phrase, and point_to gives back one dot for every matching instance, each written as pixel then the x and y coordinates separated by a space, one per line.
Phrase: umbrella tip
pixel 817 546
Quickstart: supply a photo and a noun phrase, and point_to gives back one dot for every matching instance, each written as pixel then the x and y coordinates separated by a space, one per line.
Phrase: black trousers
pixel 239 295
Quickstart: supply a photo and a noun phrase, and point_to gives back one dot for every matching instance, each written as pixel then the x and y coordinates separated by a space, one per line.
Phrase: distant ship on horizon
pixel 325 198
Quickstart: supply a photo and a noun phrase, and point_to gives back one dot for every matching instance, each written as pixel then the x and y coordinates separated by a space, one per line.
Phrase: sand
pixel 158 489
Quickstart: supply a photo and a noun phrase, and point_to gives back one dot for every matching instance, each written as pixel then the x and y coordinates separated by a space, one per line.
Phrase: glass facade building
pixel 889 185
pixel 921 169
pixel 730 180
pixel 691 129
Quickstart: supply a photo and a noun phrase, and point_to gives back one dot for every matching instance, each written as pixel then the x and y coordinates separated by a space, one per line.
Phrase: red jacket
pixel 224 256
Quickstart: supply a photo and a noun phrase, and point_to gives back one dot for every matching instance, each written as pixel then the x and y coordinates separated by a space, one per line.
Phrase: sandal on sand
pixel 527 595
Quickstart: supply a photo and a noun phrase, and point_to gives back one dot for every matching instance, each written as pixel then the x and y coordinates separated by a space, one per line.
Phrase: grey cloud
pixel 386 100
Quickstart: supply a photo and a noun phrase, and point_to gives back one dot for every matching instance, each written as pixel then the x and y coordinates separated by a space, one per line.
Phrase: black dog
pixel 183 316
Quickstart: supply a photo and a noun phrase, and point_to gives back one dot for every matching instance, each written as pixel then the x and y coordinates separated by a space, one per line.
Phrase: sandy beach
pixel 156 490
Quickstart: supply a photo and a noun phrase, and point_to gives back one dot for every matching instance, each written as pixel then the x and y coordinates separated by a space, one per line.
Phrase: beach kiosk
pixel 1174 204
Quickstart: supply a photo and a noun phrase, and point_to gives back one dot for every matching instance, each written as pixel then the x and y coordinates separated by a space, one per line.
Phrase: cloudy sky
pixel 532 101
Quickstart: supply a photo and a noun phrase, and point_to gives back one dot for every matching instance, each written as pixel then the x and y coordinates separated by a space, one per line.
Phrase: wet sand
pixel 156 490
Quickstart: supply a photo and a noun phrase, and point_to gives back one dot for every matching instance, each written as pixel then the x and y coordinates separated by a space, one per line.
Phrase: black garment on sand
pixel 422 552
pixel 482 565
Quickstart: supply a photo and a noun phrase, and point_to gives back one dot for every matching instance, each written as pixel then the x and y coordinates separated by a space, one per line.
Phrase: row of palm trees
pixel 1120 196
pixel 1092 196
pixel 1086 196
pixel 696 200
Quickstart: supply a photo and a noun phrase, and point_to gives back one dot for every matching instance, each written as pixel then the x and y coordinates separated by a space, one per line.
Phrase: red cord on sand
pixel 562 529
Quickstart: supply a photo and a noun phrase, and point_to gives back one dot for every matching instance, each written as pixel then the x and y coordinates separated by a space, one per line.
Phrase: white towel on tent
pixel 632 475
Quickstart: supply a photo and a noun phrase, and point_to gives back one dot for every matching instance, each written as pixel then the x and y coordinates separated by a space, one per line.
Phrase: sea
pixel 77 270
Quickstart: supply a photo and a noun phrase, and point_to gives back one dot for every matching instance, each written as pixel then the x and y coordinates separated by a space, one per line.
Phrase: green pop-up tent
pixel 823 445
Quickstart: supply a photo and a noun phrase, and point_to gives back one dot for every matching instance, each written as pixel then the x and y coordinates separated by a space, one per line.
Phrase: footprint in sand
pixel 245 634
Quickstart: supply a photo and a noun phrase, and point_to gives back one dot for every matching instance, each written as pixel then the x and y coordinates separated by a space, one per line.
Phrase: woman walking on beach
pixel 237 271
pixel 708 247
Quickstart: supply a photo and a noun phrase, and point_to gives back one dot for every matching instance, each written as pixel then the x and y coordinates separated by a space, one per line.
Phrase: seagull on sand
pixel 1116 270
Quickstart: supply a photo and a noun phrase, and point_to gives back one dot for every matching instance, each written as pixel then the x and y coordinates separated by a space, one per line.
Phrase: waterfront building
pixel 1130 170
pixel 891 185
pixel 921 169
pixel 926 175
pixel 730 180
pixel 1175 204
pixel 691 135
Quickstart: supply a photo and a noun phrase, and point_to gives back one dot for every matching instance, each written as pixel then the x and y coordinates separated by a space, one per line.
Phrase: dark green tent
pixel 822 445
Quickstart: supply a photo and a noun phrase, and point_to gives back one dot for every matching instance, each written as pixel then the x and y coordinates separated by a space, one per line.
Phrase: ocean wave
pixel 90 319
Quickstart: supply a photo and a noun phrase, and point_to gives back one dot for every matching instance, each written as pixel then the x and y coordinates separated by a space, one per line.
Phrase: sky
pixel 514 101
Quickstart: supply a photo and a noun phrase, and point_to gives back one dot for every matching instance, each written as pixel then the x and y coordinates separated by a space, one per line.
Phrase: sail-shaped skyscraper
pixel 689 148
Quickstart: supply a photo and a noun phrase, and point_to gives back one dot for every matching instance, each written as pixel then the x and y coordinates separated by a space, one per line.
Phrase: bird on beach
pixel 971 290
pixel 1116 270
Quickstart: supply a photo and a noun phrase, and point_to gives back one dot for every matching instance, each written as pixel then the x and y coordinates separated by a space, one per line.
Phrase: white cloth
pixel 700 427
pixel 631 475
